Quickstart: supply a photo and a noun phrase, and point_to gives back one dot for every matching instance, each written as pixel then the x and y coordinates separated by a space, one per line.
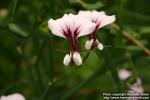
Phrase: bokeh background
pixel 31 57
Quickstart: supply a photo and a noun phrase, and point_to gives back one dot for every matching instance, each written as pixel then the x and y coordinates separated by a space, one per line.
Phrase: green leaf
pixel 145 29
pixel 93 6
pixel 134 48
pixel 43 28
pixel 87 5
pixel 17 30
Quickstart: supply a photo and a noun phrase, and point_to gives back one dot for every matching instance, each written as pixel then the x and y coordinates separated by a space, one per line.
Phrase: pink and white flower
pixel 15 96
pixel 124 74
pixel 71 27
pixel 136 87
pixel 100 19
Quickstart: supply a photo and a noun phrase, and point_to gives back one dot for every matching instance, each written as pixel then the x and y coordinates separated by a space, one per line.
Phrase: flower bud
pixel 67 59
pixel 88 44
pixel 124 74
pixel 99 45
pixel 77 58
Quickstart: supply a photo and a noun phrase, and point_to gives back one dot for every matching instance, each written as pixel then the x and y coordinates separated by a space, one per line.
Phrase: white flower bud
pixel 124 74
pixel 15 96
pixel 67 59
pixel 77 58
pixel 100 46
pixel 88 44
pixel 97 42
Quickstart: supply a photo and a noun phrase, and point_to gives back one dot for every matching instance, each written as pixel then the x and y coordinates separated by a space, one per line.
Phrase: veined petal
pixel 88 44
pixel 78 26
pixel 77 58
pixel 55 27
pixel 100 18
pixel 84 27
pixel 69 21
pixel 67 59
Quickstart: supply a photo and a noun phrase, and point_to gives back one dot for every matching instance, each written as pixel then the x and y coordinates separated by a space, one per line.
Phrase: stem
pixel 14 9
pixel 136 42
pixel 37 68
pixel 113 70
pixel 100 71
pixel 84 59
pixel 51 64
pixel 132 64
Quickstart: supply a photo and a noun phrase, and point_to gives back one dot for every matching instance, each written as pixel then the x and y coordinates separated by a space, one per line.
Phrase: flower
pixel 135 90
pixel 136 87
pixel 71 27
pixel 15 96
pixel 100 19
pixel 124 74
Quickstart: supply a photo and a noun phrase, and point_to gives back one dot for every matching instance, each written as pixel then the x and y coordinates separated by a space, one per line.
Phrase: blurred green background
pixel 31 57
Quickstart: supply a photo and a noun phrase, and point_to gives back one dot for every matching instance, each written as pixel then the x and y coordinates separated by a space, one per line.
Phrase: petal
pixel 69 21
pixel 88 44
pixel 96 15
pixel 105 20
pixel 77 58
pixel 55 27
pixel 100 18
pixel 85 14
pixel 15 96
pixel 84 27
pixel 67 59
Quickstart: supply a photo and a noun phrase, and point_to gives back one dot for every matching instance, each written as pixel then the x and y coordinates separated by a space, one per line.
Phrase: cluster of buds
pixel 72 26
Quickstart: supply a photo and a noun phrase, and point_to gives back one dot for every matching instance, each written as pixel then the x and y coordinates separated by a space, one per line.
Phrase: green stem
pixel 100 71
pixel 36 66
pixel 14 9
pixel 87 55
pixel 51 64
pixel 108 60
pixel 132 64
